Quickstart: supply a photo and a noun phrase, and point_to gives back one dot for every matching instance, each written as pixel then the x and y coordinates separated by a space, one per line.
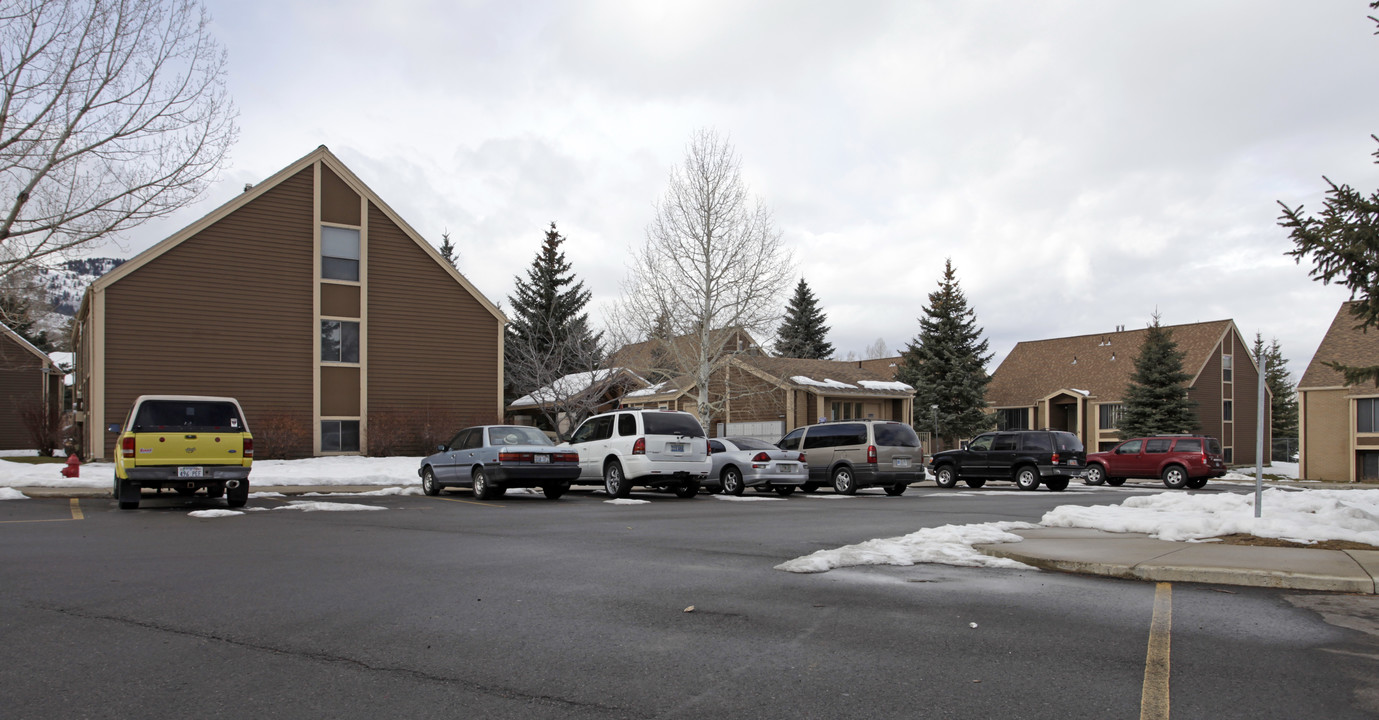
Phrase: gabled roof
pixel 576 384
pixel 1343 343
pixel 328 159
pixel 19 340
pixel 833 377
pixel 641 356
pixel 1099 365
pixel 888 366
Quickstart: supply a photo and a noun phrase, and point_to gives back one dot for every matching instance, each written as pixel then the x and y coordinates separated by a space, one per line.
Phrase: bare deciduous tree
pixel 113 113
pixel 545 363
pixel 713 261
pixel 878 350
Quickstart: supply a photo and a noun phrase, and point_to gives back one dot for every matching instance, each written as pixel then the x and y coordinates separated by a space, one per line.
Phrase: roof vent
pixel 1074 359
pixel 248 187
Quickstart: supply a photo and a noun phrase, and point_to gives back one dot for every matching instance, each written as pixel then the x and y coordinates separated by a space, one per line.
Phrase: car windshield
pixel 1067 442
pixel 746 443
pixel 675 423
pixel 517 435
pixel 191 415
pixel 895 435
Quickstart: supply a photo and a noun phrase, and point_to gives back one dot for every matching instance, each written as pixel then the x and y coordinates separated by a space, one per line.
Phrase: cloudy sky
pixel 1082 163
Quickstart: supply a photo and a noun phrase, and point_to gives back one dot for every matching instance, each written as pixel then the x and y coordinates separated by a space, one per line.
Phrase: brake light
pixel 1055 458
pixel 708 445
pixel 248 448
pixel 127 446
pixel 639 447
pixel 565 457
pixel 871 454
pixel 514 457
pixel 801 457
pixel 761 457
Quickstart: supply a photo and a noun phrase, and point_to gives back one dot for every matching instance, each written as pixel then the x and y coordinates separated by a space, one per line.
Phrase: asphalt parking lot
pixel 523 607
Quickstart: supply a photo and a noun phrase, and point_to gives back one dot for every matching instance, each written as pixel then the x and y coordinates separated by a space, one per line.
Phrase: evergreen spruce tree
pixel 1155 401
pixel 803 333
pixel 448 248
pixel 1283 412
pixel 548 311
pixel 946 364
pixel 17 312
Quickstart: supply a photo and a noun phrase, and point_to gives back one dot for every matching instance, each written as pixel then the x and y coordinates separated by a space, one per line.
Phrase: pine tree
pixel 803 333
pixel 1155 401
pixel 1283 411
pixel 548 310
pixel 18 313
pixel 946 365
pixel 448 248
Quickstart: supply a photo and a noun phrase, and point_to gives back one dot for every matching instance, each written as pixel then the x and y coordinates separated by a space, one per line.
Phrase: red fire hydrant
pixel 73 467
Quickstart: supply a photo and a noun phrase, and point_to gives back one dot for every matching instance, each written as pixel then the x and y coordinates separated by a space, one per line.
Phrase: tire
pixel 1175 477
pixel 732 481
pixel 1057 484
pixel 239 496
pixel 1115 482
pixel 947 477
pixel 843 481
pixel 553 492
pixel 1096 475
pixel 1197 483
pixel 784 490
pixel 896 489
pixel 809 487
pixel 975 483
pixel 215 491
pixel 483 489
pixel 688 490
pixel 1027 477
pixel 614 482
pixel 428 482
pixel 120 490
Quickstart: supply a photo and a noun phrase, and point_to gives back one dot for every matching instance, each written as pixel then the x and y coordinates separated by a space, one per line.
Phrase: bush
pixel 416 432
pixel 281 436
pixel 44 424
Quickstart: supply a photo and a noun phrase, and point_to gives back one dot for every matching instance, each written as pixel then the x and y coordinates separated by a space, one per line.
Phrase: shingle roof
pixel 1099 364
pixel 1345 344
pixel 847 377
pixel 642 357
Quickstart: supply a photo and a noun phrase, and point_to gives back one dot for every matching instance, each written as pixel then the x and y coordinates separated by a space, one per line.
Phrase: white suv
pixel 655 448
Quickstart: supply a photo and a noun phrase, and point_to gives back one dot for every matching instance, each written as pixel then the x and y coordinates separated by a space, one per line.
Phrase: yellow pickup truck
pixel 185 443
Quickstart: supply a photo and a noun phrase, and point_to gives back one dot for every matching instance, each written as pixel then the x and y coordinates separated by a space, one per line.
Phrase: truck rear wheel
pixel 237 496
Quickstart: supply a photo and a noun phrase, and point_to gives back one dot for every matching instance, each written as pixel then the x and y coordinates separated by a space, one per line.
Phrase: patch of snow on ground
pixel 310 506
pixel 214 513
pixel 949 545
pixel 12 494
pixel 627 501
pixel 316 472
pixel 744 498
pixel 266 495
pixel 834 496
pixel 1302 516
pixel 410 490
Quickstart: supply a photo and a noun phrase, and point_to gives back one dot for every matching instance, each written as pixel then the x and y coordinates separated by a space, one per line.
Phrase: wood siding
pixel 21 386
pixel 432 346
pixel 1325 435
pixel 340 300
pixel 339 203
pixel 226 312
pixel 1207 394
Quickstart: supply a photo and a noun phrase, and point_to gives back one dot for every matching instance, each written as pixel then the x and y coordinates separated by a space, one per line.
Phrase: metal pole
pixel 934 442
pixel 1259 441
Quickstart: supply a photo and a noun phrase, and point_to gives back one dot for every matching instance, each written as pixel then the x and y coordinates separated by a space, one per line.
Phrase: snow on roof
pixel 656 389
pixel 884 385
pixel 1083 393
pixel 567 386
pixel 826 382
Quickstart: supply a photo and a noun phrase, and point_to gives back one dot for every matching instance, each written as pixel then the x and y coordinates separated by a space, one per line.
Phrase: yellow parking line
pixel 76 510
pixel 470 502
pixel 1154 697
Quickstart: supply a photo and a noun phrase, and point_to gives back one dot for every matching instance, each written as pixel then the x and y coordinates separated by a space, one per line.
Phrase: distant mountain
pixel 66 283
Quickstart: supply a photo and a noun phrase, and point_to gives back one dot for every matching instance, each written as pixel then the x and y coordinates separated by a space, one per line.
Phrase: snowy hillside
pixel 66 283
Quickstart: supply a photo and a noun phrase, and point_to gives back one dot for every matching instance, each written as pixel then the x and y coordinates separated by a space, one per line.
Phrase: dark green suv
pixel 1028 458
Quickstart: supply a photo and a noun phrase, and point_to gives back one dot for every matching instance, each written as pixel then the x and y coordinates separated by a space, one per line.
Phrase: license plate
pixel 902 462
pixel 677 447
pixel 785 467
pixel 1072 461
pixel 538 459
pixel 189 472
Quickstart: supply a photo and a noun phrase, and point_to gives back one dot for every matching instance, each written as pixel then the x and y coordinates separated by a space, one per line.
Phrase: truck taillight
pixel 708 445
pixel 248 448
pixel 1055 458
pixel 871 454
pixel 127 446
pixel 639 447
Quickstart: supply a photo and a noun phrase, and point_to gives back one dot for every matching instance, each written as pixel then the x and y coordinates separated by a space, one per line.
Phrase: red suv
pixel 1181 460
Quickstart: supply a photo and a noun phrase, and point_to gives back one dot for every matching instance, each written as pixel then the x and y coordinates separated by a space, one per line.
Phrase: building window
pixel 339 341
pixel 1227 368
pixel 1369 466
pixel 1109 416
pixel 1227 410
pixel 339 253
pixel 1367 415
pixel 1228 454
pixel 1012 419
pixel 339 436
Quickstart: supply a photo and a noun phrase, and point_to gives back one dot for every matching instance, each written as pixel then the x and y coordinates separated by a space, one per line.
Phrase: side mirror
pixel 442 448
pixel 964 444
pixel 113 427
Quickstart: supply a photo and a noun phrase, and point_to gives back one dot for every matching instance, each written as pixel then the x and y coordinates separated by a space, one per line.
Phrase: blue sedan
pixel 743 462
pixel 492 458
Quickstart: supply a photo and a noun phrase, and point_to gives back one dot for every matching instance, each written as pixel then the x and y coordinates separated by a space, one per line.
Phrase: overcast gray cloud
pixel 1082 163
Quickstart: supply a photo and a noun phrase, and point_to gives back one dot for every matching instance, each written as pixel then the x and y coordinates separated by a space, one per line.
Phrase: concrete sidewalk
pixel 1136 556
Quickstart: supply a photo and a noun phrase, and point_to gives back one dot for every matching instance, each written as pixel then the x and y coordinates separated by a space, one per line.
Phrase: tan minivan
pixel 854 454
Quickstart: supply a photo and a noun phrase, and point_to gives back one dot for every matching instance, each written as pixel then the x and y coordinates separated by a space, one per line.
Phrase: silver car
pixel 492 458
pixel 743 462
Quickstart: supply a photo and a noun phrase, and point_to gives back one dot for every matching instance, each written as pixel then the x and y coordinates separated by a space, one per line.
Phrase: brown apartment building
pixel 336 325
pixel 1338 423
pixel 29 379
pixel 1077 383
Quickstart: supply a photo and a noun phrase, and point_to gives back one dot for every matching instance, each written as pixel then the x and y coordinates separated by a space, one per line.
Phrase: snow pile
pixel 627 501
pixel 12 494
pixel 1307 516
pixel 950 545
pixel 884 385
pixel 410 490
pixel 214 513
pixel 744 498
pixel 827 382
pixel 311 506
pixel 320 471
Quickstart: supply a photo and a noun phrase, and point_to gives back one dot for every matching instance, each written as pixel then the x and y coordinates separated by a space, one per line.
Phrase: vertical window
pixel 339 436
pixel 1227 410
pixel 339 253
pixel 1109 416
pixel 1369 466
pixel 1227 368
pixel 1228 454
pixel 339 341
pixel 1367 415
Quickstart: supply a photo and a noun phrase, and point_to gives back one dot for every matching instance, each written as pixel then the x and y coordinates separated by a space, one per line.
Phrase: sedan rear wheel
pixel 1095 475
pixel 784 490
pixel 732 481
pixel 554 490
pixel 483 490
pixel 428 482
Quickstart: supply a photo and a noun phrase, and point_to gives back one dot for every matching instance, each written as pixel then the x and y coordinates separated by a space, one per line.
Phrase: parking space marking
pixel 470 502
pixel 1154 697
pixel 73 503
pixel 76 510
